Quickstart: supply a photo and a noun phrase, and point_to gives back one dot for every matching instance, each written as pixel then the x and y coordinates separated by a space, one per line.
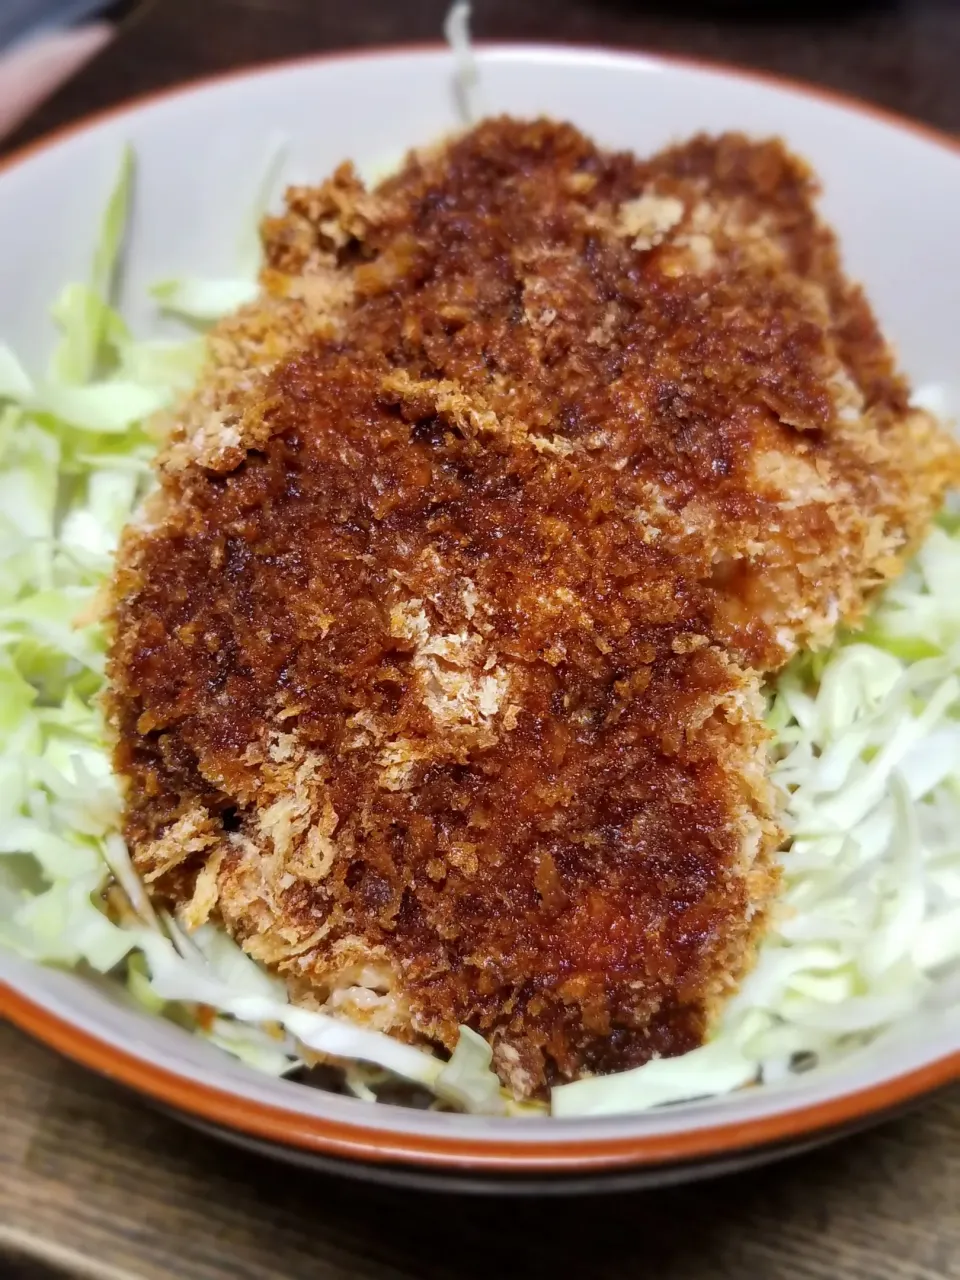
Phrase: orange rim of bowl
pixel 366 1142
pixel 555 1156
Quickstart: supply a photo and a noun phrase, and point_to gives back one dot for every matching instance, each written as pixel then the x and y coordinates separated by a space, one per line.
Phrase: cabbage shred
pixel 866 743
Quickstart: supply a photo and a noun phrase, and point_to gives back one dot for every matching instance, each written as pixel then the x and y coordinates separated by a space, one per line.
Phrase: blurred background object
pixel 902 54
pixel 44 42
pixel 20 19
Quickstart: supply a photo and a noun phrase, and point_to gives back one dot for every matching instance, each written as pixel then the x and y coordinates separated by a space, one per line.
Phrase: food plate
pixel 891 189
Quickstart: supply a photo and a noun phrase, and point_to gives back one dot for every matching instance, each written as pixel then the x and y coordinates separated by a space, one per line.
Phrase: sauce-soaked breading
pixel 437 655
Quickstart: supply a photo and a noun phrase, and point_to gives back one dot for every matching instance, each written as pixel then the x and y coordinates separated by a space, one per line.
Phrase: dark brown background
pixel 902 53
pixel 94 1183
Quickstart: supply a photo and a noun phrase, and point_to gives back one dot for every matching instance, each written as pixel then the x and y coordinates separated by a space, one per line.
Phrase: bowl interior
pixel 891 192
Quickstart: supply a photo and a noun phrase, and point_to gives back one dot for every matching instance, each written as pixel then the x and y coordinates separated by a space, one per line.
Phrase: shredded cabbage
pixel 867 751
pixel 203 300
pixel 74 463
pixel 466 80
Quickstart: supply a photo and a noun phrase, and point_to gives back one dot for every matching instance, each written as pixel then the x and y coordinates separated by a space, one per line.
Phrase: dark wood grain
pixel 101 1180
pixel 94 1183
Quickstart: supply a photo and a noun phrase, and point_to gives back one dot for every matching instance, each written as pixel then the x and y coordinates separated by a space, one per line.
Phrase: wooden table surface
pixel 95 1183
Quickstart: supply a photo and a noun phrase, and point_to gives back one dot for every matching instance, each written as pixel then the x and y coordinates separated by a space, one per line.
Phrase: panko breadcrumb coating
pixel 437 658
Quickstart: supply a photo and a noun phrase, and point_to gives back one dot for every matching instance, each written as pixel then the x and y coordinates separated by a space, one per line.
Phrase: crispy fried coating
pixel 437 657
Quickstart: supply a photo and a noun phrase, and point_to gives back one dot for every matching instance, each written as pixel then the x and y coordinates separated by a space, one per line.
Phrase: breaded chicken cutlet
pixel 438 654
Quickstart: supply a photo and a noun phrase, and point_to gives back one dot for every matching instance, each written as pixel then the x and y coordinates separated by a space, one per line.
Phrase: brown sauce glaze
pixel 436 668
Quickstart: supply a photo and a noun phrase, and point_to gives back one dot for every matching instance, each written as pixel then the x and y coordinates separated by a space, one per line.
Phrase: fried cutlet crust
pixel 437 656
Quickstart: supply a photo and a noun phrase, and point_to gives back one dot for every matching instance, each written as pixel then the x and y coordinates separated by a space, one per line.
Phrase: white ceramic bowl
pixel 893 191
